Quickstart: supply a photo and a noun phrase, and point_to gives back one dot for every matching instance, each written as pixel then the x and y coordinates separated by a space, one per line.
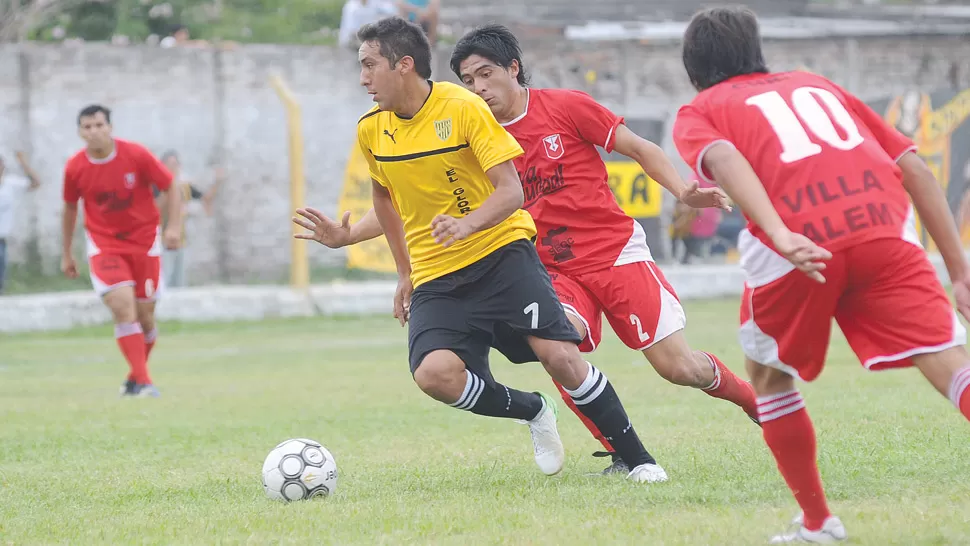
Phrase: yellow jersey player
pixel 448 200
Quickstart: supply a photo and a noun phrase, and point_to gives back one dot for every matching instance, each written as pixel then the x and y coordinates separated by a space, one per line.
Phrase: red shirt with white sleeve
pixel 827 160
pixel 581 228
pixel 120 214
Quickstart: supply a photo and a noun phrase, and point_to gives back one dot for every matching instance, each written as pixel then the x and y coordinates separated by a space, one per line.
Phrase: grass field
pixel 78 465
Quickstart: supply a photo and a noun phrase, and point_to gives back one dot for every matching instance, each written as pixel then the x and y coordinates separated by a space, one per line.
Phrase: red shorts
pixel 142 271
pixel 885 296
pixel 638 301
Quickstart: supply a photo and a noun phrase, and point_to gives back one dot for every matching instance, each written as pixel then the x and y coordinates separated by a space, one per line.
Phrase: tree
pixel 18 17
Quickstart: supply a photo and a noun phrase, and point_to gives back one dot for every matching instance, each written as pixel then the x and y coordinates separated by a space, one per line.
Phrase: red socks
pixel 150 337
pixel 960 391
pixel 132 343
pixel 589 424
pixel 789 433
pixel 730 387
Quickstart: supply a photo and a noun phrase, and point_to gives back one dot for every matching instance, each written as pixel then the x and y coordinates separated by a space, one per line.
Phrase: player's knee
pixel 562 361
pixel 767 380
pixel 440 375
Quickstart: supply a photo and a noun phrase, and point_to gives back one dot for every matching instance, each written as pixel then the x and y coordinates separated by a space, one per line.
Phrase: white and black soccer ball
pixel 299 469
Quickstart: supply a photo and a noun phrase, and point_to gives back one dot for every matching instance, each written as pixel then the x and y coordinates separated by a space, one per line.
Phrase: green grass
pixel 80 466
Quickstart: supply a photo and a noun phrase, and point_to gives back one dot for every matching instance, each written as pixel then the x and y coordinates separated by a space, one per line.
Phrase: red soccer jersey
pixel 580 226
pixel 120 215
pixel 827 161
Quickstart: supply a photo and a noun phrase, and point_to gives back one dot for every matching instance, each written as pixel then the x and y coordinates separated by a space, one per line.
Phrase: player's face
pixel 172 163
pixel 493 83
pixel 377 75
pixel 95 130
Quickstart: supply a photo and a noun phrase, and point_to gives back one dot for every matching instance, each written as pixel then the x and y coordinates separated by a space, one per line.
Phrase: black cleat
pixel 618 466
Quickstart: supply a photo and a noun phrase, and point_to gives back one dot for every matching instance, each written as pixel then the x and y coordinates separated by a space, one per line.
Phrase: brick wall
pixel 204 103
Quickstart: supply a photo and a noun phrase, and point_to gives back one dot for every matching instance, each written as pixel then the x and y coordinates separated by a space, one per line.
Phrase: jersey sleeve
pixel 890 139
pixel 153 169
pixel 596 123
pixel 489 141
pixel 694 135
pixel 363 141
pixel 70 191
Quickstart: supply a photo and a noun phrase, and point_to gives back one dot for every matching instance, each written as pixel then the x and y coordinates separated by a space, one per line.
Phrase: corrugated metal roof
pixel 774 28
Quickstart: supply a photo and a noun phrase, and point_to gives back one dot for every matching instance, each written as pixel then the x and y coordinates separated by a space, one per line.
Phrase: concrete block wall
pixel 209 104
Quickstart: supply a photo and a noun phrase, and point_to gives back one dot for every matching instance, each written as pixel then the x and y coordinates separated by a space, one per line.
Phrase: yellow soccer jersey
pixel 435 163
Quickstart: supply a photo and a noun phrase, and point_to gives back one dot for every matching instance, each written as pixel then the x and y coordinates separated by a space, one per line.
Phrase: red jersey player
pixel 823 181
pixel 596 255
pixel 114 178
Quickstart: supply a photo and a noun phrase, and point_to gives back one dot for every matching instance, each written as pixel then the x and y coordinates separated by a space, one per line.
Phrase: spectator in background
pixel 173 261
pixel 12 189
pixel 357 13
pixel 694 229
pixel 424 13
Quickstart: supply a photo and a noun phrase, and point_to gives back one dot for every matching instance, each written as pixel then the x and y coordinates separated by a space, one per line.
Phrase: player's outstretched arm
pixel 333 235
pixel 733 173
pixel 505 200
pixel 934 213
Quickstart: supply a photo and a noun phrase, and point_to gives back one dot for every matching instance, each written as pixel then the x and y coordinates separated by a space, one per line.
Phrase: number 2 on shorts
pixel 533 309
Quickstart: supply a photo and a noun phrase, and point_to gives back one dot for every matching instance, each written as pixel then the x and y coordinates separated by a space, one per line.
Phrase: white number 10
pixel 795 142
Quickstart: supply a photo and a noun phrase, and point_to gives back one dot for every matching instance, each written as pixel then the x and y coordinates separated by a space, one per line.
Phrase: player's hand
pixel 69 267
pixel 172 238
pixel 702 198
pixel 322 229
pixel 961 293
pixel 447 230
pixel 402 299
pixel 802 253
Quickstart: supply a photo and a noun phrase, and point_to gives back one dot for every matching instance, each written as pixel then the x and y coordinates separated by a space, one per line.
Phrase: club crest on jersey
pixel 129 180
pixel 553 146
pixel 443 128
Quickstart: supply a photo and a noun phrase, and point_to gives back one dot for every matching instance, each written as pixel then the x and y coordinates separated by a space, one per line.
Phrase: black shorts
pixel 495 302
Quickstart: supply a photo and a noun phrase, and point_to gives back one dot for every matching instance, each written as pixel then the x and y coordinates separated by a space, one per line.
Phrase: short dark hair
pixel 168 154
pixel 494 42
pixel 721 43
pixel 399 38
pixel 92 110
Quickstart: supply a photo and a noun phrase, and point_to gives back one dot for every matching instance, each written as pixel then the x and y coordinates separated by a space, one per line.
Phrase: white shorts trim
pixel 959 339
pixel 672 318
pixel 589 333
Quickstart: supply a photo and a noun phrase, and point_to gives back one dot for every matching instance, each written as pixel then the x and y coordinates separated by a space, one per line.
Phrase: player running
pixel 596 255
pixel 448 199
pixel 823 182
pixel 114 178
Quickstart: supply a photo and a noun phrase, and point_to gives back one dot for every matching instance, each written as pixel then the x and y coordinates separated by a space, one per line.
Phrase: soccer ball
pixel 299 469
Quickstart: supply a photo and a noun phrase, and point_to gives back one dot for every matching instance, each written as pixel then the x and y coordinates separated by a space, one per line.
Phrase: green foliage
pixel 261 21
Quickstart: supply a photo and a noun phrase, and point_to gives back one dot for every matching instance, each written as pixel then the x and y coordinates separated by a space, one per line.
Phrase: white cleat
pixel 832 531
pixel 550 455
pixel 648 473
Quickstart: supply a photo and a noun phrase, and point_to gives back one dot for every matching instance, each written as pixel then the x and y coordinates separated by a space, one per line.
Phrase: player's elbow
pixel 916 173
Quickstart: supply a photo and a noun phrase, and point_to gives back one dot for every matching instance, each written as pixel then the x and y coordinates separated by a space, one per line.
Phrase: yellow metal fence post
pixel 299 264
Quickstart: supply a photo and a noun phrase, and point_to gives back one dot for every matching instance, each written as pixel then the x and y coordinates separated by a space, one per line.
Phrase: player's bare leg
pixel 443 376
pixel 597 400
pixel 131 340
pixel 676 362
pixel 790 436
pixel 146 317
pixel 949 373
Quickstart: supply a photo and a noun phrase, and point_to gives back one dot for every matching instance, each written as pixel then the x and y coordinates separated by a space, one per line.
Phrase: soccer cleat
pixel 617 467
pixel 832 531
pixel 648 473
pixel 130 388
pixel 549 452
pixel 127 388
